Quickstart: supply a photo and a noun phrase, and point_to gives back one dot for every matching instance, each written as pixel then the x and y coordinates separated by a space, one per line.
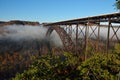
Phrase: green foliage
pixel 69 67
pixel 48 67
pixel 117 4
pixel 100 67
pixel 117 48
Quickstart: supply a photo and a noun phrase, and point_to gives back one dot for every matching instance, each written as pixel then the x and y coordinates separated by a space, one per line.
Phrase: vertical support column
pixel 76 49
pixel 108 34
pixel 86 39
pixel 70 30
pixel 98 36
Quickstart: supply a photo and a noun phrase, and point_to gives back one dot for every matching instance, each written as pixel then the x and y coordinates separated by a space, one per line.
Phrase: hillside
pixel 18 22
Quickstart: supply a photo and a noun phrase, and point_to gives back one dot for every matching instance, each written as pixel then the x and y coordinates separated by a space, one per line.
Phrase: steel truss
pixel 80 34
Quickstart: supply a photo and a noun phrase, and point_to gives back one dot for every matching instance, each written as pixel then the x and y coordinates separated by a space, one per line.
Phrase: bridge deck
pixel 114 18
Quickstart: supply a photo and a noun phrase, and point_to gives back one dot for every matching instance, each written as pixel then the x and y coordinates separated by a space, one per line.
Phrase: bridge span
pixel 97 33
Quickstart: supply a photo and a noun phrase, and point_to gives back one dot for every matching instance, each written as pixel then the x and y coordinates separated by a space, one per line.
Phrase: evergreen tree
pixel 117 4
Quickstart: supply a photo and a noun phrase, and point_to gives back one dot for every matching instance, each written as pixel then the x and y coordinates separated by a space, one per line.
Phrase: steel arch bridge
pixel 100 32
pixel 65 38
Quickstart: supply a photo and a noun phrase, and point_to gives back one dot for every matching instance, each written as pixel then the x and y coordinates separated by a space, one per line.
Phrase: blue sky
pixel 53 10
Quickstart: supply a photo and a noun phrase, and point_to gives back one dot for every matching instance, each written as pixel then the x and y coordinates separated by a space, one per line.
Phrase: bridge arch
pixel 65 38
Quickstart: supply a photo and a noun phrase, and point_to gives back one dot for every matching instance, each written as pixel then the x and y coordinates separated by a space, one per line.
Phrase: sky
pixel 53 10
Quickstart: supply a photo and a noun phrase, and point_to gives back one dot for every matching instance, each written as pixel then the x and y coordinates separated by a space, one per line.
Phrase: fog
pixel 21 37
pixel 20 32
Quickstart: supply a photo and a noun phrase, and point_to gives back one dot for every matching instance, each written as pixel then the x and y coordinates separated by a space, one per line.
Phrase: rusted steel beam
pixel 70 30
pixel 76 37
pixel 86 38
pixel 115 34
pixel 98 37
pixel 108 34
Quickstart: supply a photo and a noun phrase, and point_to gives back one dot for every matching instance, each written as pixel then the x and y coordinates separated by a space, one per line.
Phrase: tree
pixel 117 4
